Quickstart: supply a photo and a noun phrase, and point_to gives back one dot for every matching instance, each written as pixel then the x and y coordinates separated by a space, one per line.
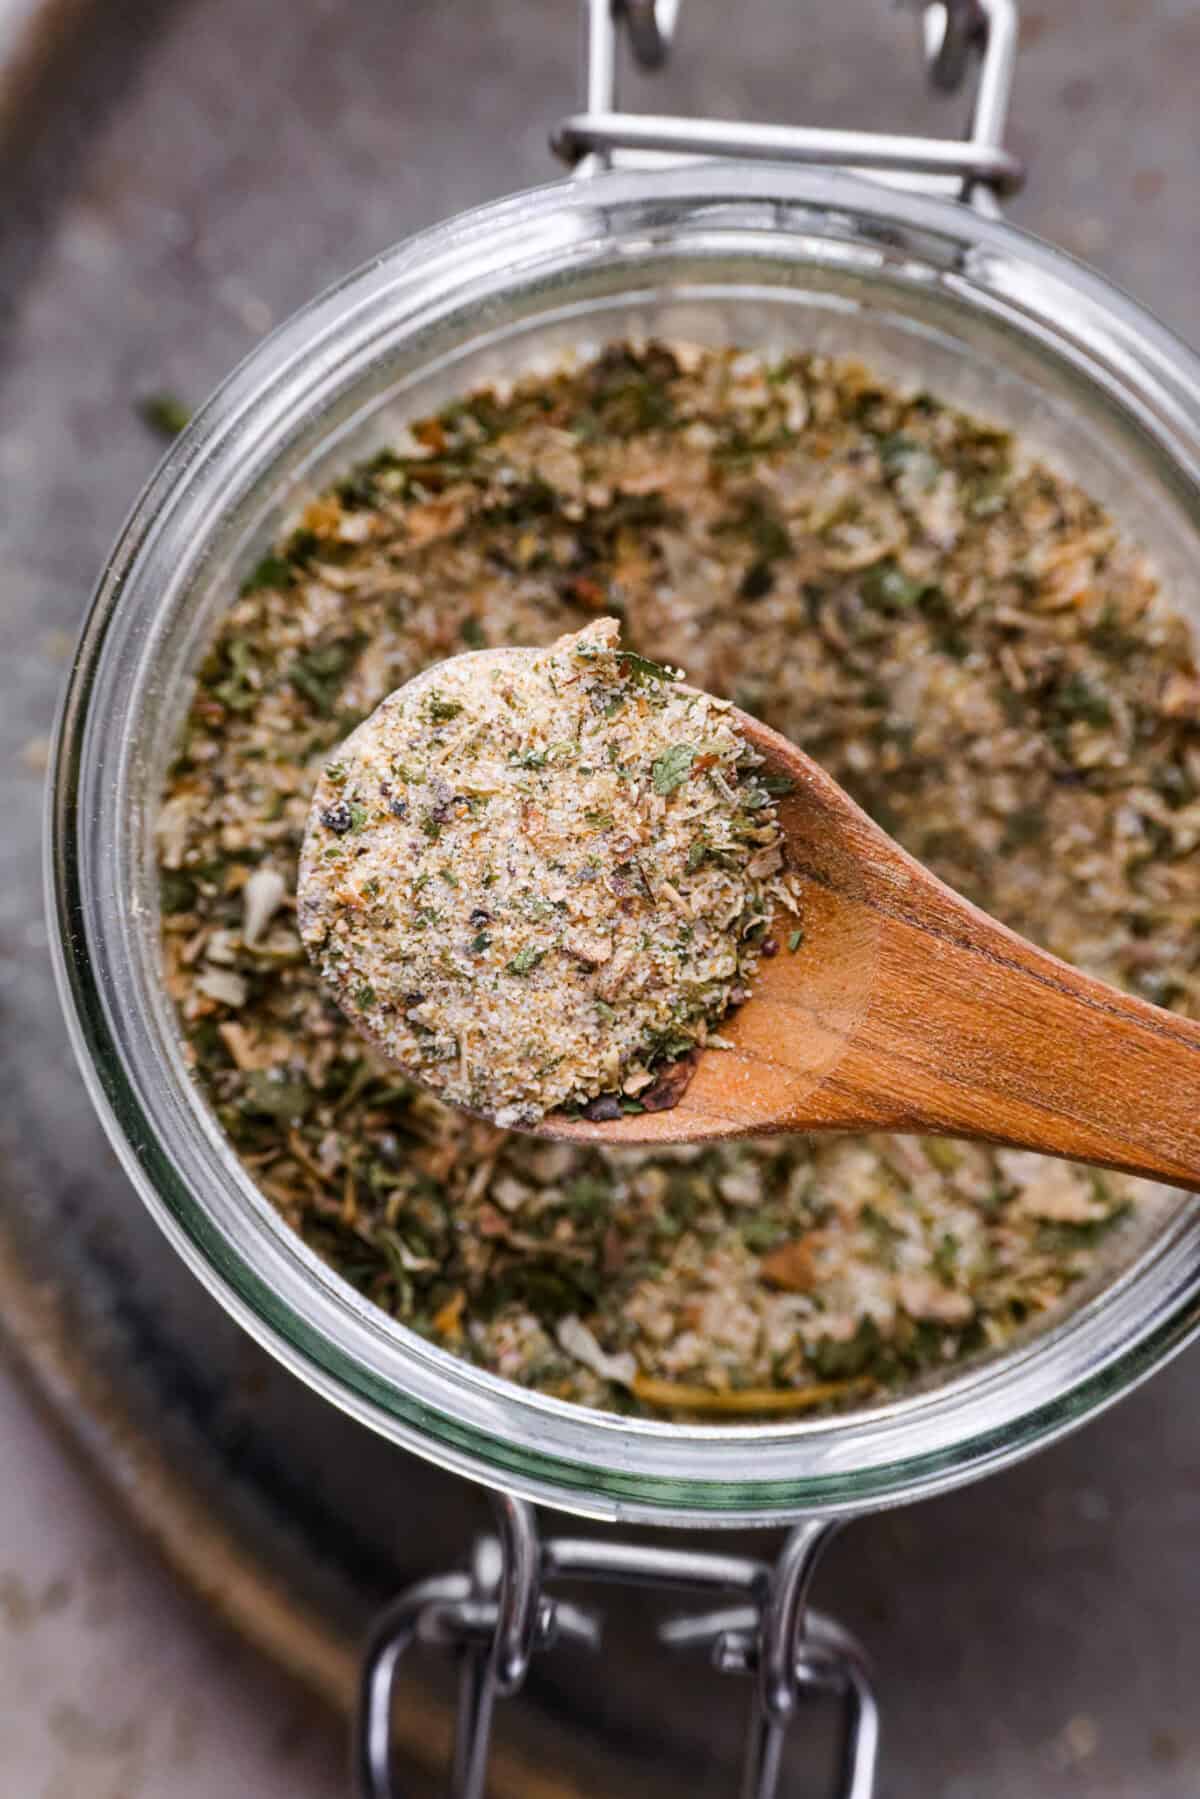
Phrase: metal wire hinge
pixel 955 34
pixel 496 1615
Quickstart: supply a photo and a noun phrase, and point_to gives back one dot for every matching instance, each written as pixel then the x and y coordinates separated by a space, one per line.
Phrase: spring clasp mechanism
pixel 500 1612
pixel 955 35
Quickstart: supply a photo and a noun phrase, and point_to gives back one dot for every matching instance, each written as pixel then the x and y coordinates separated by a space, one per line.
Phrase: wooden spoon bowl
pixel 907 1008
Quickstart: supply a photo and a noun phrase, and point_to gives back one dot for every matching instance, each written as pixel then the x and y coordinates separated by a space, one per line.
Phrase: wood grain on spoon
pixel 909 1009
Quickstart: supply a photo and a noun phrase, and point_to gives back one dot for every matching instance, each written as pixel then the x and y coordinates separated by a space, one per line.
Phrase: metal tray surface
pixel 180 177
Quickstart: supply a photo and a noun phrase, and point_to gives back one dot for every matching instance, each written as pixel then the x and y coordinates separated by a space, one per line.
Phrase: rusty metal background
pixel 179 175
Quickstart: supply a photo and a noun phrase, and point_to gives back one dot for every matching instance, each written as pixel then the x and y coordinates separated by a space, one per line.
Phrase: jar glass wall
pixel 925 291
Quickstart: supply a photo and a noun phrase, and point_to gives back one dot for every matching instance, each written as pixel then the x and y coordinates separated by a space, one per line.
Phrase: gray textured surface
pixel 186 175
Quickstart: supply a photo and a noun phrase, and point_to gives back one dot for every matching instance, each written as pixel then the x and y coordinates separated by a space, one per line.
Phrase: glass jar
pixel 765 255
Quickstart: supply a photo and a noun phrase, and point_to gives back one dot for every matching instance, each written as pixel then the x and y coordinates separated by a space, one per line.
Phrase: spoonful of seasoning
pixel 572 894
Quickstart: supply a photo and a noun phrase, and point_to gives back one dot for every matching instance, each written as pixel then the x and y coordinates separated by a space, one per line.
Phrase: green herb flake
pixel 901 455
pixel 1079 700
pixel 945 1257
pixel 271 573
pixel 320 673
pixel 164 414
pixel 273 1095
pixel 886 586
pixel 948 631
pixel 673 767
pixel 302 548
pixel 440 710
pixel 641 671
pixel 176 891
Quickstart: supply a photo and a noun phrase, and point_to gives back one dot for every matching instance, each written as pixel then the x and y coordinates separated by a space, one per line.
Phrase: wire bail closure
pixel 497 1615
pixel 976 168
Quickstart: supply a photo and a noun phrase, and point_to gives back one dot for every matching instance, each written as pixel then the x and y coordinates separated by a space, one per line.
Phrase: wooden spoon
pixel 906 1008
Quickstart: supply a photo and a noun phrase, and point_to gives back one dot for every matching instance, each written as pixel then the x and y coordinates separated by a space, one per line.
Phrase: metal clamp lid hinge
pixel 955 33
pixel 499 1613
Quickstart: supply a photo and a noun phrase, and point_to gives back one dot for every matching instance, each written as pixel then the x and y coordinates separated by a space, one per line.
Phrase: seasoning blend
pixel 956 632
pixel 535 878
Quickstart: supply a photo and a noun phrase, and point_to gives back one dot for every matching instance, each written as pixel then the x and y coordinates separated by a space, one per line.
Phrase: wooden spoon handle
pixel 972 1031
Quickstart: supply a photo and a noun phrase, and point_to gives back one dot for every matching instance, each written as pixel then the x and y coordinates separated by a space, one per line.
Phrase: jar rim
pixel 390 1379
